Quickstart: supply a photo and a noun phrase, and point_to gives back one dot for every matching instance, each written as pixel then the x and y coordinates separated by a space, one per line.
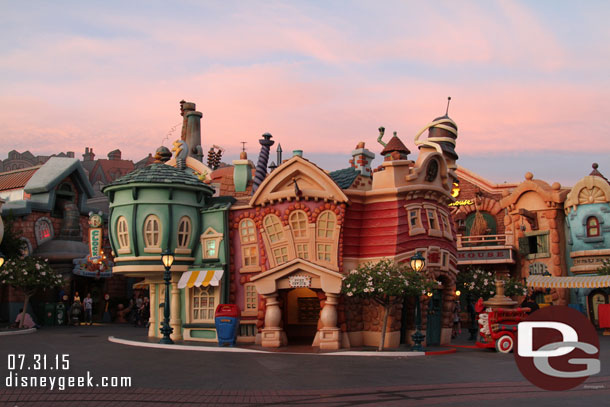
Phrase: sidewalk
pixel 138 337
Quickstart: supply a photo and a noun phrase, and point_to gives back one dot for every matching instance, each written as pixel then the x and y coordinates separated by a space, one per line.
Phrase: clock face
pixel 432 171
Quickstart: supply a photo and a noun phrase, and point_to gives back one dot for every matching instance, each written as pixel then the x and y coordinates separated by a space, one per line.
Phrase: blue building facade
pixel 587 209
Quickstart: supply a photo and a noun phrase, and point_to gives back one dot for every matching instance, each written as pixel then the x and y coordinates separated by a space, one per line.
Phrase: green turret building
pixel 162 207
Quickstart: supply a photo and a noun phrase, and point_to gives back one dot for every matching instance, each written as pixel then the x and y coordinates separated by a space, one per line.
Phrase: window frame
pixel 304 231
pixel 588 227
pixel 151 247
pixel 417 229
pixel 123 234
pixel 185 248
pixel 326 228
pixel 212 293
pixel 210 235
pixel 250 300
pixel 278 228
pixel 541 236
pixel 446 224
pixel 249 242
pixel 433 231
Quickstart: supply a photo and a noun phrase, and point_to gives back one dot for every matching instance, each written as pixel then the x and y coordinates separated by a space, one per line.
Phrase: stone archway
pixel 295 273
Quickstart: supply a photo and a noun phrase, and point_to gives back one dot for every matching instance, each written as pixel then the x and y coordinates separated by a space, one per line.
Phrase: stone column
pixel 330 337
pixel 273 335
pixel 152 289
pixel 174 319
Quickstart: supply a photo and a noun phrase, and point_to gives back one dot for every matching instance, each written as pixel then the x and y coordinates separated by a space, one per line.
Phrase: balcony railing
pixel 485 240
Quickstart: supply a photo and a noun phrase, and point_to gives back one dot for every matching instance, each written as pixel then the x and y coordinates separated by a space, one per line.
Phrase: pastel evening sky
pixel 529 80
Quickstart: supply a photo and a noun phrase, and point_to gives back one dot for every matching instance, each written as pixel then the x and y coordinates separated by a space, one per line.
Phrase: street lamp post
pixel 1 259
pixel 418 263
pixel 168 259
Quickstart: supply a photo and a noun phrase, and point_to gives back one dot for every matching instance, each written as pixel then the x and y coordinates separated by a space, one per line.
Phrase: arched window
pixel 184 232
pixel 122 233
pixel 274 229
pixel 298 223
pixel 326 224
pixel 592 226
pixel 247 232
pixel 43 229
pixel 152 232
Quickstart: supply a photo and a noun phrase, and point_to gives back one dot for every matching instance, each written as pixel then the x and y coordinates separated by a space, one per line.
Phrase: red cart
pixel 498 328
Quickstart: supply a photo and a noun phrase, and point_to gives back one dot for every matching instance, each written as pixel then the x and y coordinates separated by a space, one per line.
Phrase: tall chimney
pixel 263 158
pixel 191 129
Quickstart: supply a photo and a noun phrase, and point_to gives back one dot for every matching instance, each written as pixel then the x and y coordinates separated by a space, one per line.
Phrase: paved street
pixel 169 377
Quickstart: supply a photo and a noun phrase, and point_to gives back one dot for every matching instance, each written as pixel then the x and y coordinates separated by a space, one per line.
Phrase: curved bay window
pixel 592 226
pixel 184 235
pixel 122 233
pixel 274 229
pixel 152 234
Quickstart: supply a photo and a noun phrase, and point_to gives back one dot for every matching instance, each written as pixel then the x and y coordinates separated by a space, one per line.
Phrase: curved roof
pixel 159 174
pixel 589 190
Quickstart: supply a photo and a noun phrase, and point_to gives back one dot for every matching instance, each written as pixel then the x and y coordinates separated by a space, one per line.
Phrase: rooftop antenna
pixel 448 100
pixel 243 145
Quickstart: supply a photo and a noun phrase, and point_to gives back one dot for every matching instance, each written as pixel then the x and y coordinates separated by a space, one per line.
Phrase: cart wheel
pixel 504 344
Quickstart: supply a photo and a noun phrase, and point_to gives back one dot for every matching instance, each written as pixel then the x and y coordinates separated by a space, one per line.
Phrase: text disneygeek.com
pixel 19 364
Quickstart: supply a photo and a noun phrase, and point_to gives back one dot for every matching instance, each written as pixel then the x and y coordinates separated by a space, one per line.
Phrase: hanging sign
pixel 95 237
pixel 299 281
pixel 95 244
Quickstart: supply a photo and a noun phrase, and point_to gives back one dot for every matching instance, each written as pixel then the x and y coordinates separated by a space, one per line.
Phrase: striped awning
pixel 538 281
pixel 197 278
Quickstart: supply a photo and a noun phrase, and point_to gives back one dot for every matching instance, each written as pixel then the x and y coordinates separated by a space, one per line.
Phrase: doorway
pixel 301 312
pixel 433 328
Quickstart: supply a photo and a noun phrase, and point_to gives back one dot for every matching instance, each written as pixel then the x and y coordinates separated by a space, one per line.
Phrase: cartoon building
pixel 534 216
pixel 587 210
pixel 48 205
pixel 304 227
pixel 482 240
pixel 277 244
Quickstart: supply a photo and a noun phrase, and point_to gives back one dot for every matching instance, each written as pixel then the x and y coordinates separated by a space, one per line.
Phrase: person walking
pixel 88 302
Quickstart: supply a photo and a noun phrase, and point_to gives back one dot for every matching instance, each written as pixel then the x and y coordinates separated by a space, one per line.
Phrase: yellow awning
pixel 538 281
pixel 197 278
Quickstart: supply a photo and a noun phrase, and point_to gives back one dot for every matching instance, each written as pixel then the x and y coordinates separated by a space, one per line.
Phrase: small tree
pixel 482 284
pixel 385 282
pixel 29 275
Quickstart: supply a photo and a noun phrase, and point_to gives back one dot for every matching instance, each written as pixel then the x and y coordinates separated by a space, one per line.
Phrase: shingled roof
pixel 395 145
pixel 16 179
pixel 345 177
pixel 159 174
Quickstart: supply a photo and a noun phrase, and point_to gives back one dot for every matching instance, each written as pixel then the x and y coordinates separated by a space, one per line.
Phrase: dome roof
pixel 160 174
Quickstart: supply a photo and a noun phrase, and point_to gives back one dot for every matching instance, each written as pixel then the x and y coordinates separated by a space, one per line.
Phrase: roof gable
pixel 311 182
pixel 55 171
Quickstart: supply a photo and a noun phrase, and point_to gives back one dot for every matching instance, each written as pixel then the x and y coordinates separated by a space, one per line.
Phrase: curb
pixel 243 350
pixel 19 332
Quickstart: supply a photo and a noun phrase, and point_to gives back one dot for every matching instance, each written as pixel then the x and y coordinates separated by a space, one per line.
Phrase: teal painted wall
pixel 577 239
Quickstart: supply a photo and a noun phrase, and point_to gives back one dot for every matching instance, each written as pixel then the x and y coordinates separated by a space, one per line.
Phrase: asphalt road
pixel 169 377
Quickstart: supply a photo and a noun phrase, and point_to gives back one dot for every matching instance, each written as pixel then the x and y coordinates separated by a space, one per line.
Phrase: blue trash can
pixel 227 323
